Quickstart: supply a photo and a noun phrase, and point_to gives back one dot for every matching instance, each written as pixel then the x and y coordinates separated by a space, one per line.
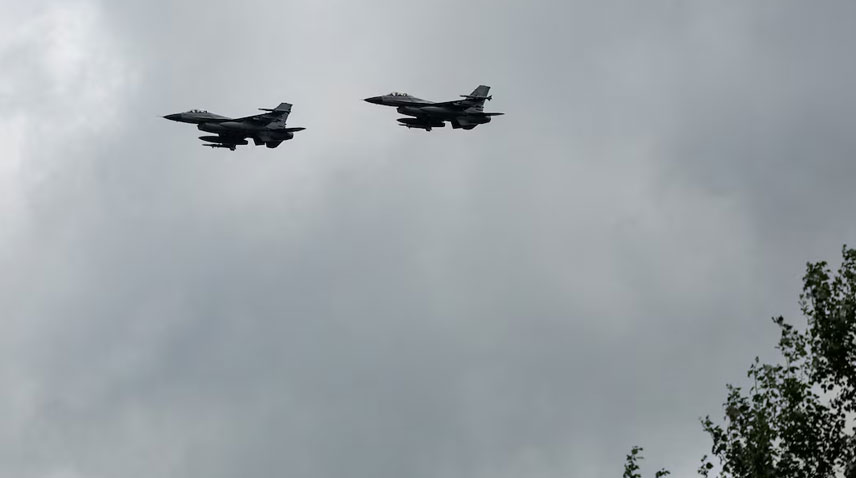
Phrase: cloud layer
pixel 530 298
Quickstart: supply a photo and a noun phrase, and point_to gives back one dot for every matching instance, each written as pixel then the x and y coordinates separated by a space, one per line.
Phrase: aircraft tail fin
pixel 480 92
pixel 477 98
pixel 280 114
pixel 283 108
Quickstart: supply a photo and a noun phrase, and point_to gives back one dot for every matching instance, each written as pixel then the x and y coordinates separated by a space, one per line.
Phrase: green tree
pixel 796 420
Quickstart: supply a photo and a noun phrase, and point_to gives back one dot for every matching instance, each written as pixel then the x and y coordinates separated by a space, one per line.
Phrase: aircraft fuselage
pixel 464 114
pixel 268 128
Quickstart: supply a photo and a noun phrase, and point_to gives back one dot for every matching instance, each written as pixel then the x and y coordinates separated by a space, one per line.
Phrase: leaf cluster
pixel 631 465
pixel 797 418
pixel 793 421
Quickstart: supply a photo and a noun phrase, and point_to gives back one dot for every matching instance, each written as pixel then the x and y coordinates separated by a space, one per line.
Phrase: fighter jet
pixel 267 128
pixel 466 113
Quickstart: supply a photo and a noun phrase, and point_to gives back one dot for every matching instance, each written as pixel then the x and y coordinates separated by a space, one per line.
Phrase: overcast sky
pixel 528 299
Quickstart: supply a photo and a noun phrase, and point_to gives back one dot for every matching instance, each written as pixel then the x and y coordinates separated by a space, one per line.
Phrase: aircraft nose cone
pixel 374 100
pixel 173 117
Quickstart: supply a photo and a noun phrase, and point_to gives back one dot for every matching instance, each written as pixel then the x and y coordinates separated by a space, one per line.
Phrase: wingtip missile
pixel 471 97
pixel 282 108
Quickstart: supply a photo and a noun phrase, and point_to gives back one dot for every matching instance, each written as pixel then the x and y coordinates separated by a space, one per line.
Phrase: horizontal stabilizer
pixel 294 130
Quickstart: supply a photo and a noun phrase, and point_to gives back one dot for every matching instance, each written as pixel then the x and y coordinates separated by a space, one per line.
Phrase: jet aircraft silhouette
pixel 267 128
pixel 423 114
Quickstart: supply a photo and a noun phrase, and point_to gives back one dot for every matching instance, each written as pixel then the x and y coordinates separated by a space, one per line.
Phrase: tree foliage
pixel 796 420
pixel 631 465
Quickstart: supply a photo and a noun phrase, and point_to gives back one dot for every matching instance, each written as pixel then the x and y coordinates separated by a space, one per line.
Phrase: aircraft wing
pixel 280 113
pixel 263 118
pixel 456 104
pixel 474 99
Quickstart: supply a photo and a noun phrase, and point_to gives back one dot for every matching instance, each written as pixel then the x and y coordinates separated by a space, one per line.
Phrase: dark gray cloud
pixel 529 299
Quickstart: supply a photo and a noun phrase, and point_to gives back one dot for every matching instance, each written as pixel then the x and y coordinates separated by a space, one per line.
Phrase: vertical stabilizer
pixel 476 99
pixel 480 92
pixel 283 108
pixel 279 115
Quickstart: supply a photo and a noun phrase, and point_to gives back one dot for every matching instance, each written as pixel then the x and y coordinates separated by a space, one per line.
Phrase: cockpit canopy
pixel 396 93
pixel 197 111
